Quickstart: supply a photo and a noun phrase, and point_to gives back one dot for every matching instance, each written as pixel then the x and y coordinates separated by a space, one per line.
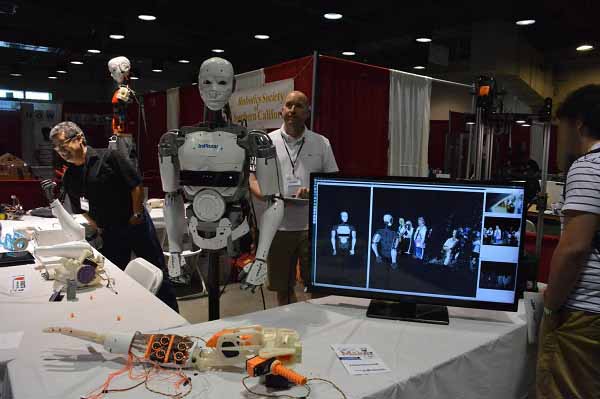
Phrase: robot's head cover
pixel 119 68
pixel 215 82
pixel 344 216
pixel 388 219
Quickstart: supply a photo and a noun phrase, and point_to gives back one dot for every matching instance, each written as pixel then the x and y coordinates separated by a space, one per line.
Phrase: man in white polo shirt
pixel 300 152
pixel 569 350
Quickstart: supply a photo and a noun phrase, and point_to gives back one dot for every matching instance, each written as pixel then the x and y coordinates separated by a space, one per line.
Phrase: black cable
pixel 262 293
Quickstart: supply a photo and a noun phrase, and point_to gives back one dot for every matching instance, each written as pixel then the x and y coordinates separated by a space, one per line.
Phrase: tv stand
pixel 421 313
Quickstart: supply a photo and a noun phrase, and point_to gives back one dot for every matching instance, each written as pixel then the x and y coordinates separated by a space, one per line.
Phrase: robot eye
pixel 222 82
pixel 207 82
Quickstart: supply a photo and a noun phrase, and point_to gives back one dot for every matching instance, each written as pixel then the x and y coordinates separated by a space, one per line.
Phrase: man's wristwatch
pixel 549 312
pixel 138 215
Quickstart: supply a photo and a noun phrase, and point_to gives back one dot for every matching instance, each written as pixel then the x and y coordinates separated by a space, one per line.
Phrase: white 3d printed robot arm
pixel 267 175
pixel 72 230
pixel 174 207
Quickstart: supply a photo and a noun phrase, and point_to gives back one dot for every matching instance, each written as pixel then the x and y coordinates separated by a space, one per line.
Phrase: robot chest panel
pixel 343 229
pixel 211 151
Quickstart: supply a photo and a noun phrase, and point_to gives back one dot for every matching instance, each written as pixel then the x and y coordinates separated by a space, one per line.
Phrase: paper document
pixel 359 359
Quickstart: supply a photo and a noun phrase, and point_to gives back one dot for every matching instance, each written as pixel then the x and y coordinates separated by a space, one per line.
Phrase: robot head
pixel 421 221
pixel 119 68
pixel 401 221
pixel 344 216
pixel 216 82
pixel 388 219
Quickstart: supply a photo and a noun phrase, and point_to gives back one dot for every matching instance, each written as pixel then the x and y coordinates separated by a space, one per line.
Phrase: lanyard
pixel 293 161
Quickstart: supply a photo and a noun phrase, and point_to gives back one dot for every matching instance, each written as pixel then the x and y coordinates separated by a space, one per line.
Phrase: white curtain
pixel 536 146
pixel 409 114
pixel 173 108
pixel 250 80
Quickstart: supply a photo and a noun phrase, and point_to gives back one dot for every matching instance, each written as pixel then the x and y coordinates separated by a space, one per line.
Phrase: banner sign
pixel 261 107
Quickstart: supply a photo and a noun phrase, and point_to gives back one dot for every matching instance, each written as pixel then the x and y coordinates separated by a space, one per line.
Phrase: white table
pixel 481 354
pixel 128 306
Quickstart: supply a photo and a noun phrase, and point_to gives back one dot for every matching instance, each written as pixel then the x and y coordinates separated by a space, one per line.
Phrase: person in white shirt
pixel 420 238
pixel 300 152
pixel 448 247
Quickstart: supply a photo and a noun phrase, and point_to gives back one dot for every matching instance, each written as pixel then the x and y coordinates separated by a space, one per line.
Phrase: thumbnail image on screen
pixel 498 276
pixel 508 203
pixel 505 232
pixel 426 241
pixel 343 235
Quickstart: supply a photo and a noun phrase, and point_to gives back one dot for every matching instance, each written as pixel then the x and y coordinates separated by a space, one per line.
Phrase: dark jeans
pixel 120 241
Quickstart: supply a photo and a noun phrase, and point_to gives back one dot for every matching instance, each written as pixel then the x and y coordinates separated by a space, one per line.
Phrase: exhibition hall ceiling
pixel 39 37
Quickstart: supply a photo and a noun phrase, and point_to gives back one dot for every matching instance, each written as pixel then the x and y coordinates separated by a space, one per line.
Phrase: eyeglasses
pixel 63 145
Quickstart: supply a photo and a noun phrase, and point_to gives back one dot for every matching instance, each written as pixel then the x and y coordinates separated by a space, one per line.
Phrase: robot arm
pixel 174 207
pixel 259 145
pixel 333 241
pixel 353 242
pixel 73 231
pixel 375 241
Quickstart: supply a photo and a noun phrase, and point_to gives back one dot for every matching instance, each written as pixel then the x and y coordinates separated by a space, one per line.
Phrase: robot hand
pixel 48 186
pixel 176 268
pixel 253 275
pixel 351 252
pixel 334 252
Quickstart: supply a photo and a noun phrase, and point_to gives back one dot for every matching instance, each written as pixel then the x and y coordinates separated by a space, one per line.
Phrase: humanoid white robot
pixel 343 236
pixel 385 238
pixel 208 164
pixel 121 140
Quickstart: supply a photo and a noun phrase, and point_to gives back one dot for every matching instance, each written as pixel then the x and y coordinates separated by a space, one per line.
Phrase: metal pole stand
pixel 213 286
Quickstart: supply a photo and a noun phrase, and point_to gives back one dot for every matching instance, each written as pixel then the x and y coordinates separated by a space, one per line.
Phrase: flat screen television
pixel 415 246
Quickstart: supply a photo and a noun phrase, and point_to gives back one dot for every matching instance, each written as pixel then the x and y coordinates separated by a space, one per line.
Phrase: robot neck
pixel 214 118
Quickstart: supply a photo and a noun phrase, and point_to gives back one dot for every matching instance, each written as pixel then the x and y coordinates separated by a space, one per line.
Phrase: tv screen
pixel 417 240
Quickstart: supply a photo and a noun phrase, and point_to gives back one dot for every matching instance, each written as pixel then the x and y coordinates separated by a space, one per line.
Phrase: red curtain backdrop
pixel 28 192
pixel 191 106
pixel 10 133
pixel 97 130
pixel 437 141
pixel 300 70
pixel 352 111
pixel 155 105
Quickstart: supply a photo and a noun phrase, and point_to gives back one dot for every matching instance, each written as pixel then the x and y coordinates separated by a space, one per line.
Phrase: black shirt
pixel 105 180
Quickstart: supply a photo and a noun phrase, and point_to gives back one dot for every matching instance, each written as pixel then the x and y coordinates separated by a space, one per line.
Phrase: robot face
pixel 388 219
pixel 344 216
pixel 215 82
pixel 421 221
pixel 119 68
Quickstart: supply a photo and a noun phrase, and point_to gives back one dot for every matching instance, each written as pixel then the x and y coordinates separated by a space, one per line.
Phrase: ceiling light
pixel 418 67
pixel 52 77
pixel 470 123
pixel 16 74
pixel 195 84
pixel 526 125
pixel 424 40
pixel 183 61
pixel 217 50
pixel 348 53
pixel 147 17
pixel 585 47
pixel 261 37
pixel 525 22
pixel 76 62
pixel 94 51
pixel 520 121
pixel 333 15
pixel 117 36
pixel 158 70
pixel 134 78
pixel 61 71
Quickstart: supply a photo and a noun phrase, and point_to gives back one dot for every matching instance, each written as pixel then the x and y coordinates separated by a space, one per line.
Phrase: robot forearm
pixel 269 223
pixel 72 230
pixel 175 220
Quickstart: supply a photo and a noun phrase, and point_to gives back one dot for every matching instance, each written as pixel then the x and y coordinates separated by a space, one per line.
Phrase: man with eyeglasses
pixel 115 198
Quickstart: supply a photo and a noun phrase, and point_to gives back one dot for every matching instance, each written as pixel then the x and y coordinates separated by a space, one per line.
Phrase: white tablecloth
pixel 127 307
pixel 481 354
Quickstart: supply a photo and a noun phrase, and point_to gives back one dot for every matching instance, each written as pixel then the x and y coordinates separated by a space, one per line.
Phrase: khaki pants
pixel 286 249
pixel 569 356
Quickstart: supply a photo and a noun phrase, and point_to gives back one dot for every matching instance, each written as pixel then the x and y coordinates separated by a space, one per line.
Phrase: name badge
pixel 292 184
pixel 84 204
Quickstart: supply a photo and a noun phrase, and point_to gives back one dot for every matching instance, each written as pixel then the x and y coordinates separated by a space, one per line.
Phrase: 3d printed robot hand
pixel 176 268
pixel 48 186
pixel 254 275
